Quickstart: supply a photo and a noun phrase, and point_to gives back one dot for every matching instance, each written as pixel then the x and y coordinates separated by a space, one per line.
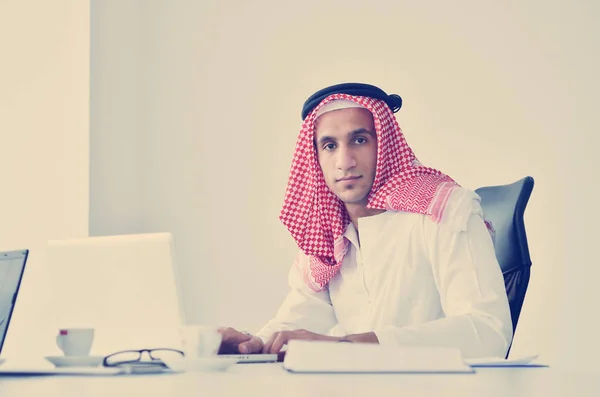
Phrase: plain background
pixel 194 109
pixel 44 149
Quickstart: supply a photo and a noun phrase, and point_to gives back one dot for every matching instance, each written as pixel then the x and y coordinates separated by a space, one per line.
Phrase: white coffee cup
pixel 200 341
pixel 75 341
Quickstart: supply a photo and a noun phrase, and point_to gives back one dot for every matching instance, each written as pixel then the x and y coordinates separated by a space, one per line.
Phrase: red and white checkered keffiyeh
pixel 317 219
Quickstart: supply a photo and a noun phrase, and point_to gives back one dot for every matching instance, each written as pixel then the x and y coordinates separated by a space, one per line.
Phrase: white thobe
pixel 411 281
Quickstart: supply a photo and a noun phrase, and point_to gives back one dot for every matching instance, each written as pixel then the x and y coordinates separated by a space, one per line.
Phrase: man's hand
pixel 235 342
pixel 279 339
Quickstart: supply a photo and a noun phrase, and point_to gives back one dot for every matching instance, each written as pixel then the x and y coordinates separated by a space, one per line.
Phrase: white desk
pixel 272 380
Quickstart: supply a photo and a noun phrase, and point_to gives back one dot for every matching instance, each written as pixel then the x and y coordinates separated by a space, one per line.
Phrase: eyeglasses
pixel 135 357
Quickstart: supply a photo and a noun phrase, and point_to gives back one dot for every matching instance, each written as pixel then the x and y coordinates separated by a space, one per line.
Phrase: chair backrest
pixel 505 206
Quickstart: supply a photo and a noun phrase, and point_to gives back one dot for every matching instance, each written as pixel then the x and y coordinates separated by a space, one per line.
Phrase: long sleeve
pixel 302 308
pixel 471 287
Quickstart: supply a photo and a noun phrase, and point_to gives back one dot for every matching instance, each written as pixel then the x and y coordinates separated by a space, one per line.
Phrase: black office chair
pixel 504 206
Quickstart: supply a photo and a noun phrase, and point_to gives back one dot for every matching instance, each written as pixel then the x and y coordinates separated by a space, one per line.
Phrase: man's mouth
pixel 348 178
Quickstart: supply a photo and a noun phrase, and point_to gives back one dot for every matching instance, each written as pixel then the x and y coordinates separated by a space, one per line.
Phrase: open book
pixel 318 356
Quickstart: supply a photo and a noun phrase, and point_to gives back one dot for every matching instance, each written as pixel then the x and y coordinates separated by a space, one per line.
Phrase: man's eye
pixel 329 146
pixel 360 140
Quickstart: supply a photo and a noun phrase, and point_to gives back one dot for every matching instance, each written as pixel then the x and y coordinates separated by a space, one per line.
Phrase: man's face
pixel 346 145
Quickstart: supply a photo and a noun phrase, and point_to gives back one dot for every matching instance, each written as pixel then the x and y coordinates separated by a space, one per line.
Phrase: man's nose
pixel 345 159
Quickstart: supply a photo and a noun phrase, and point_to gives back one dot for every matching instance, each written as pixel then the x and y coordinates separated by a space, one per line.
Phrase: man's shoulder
pixel 454 212
pixel 462 203
pixel 463 198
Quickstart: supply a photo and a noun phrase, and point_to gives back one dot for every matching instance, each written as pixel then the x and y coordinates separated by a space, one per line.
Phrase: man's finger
pixel 230 335
pixel 225 330
pixel 267 347
pixel 254 345
pixel 280 341
pixel 231 338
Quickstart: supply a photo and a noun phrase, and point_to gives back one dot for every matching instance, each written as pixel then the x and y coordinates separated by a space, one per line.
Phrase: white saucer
pixel 501 362
pixel 75 361
pixel 201 364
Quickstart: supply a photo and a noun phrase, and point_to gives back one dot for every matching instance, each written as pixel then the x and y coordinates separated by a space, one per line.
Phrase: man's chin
pixel 353 199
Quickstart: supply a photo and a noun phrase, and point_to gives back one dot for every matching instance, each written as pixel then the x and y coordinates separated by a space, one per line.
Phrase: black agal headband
pixel 394 101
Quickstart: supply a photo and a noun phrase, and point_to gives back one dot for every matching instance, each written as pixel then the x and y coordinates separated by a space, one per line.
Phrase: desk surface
pixel 273 380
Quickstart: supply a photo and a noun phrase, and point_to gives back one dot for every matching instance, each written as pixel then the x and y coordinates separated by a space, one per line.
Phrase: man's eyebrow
pixel 358 131
pixel 325 138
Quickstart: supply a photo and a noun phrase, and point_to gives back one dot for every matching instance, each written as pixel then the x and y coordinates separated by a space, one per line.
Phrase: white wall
pixel 117 90
pixel 196 108
pixel 44 116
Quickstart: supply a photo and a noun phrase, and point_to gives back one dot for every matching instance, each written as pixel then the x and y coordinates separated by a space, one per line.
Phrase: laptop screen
pixel 12 266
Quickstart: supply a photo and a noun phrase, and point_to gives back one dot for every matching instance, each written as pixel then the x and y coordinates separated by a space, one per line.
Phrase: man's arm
pixel 302 311
pixel 471 286
pixel 367 337
pixel 302 308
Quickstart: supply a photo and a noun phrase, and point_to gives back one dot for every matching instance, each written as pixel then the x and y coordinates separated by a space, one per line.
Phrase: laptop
pixel 125 287
pixel 12 267
pixel 122 286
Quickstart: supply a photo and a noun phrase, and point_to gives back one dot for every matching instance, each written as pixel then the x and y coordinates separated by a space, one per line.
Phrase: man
pixel 390 251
